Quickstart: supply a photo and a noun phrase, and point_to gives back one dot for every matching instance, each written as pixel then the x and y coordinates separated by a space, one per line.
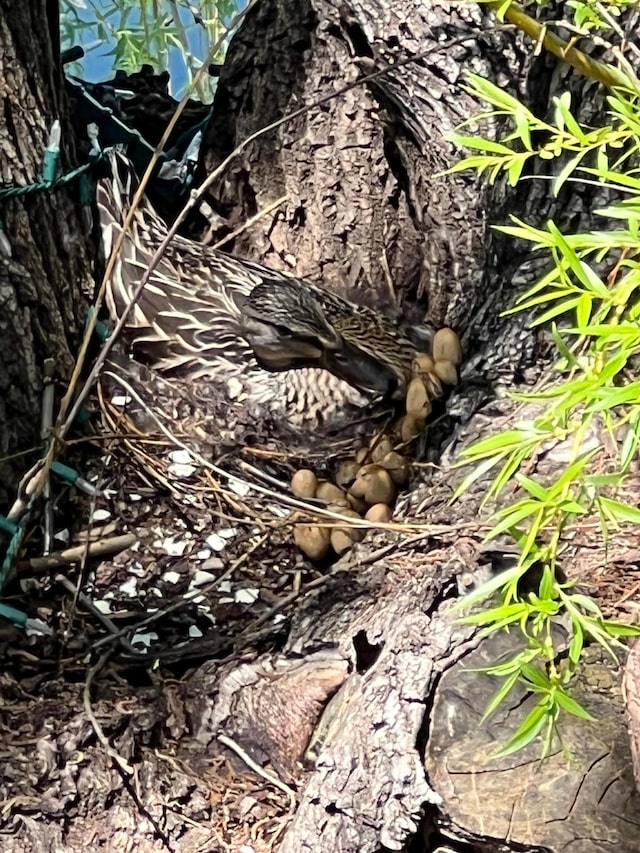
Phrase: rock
pixel 357 504
pixel 421 365
pixel 411 426
pixel 361 455
pixel 380 448
pixel 398 467
pixel 329 492
pixel 340 541
pixel 417 401
pixel 346 473
pixel 379 513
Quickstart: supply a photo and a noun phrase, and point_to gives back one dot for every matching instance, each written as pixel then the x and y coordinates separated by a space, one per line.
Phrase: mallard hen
pixel 265 336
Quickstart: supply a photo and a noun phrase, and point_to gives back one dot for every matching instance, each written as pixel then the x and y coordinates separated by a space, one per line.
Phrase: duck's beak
pixel 276 349
pixel 363 371
pixel 295 354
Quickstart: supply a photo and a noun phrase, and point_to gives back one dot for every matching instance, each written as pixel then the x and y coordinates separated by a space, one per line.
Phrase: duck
pixel 265 337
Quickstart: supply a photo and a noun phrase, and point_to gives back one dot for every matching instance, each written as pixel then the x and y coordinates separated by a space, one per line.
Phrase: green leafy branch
pixel 564 136
pixel 588 15
pixel 592 390
pixel 145 32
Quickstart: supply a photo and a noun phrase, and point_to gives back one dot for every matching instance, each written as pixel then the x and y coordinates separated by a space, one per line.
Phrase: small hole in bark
pixel 299 217
pixel 366 654
pixel 251 439
pixel 358 39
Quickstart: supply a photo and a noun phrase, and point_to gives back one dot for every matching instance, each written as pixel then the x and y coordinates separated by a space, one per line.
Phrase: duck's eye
pixel 284 331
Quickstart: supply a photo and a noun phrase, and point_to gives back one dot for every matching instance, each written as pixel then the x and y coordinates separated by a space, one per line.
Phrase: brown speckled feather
pixel 206 314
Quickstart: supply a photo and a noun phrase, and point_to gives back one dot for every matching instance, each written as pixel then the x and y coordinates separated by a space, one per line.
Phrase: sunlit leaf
pixel 479 143
pixel 620 629
pixel 583 309
pixel 504 441
pixel 514 664
pixel 495 95
pixel 558 309
pixel 511 464
pixel 515 170
pixel 527 732
pixel 571 706
pixel 563 105
pixel 568 169
pixel 631 443
pixel 523 126
pixel 487 589
pixel 501 10
pixel 478 471
pixel 548 588
pixel 535 676
pixel 512 518
pixel 500 695
pixel 535 489
pixel 577 644
pixel 563 349
pixel 508 612
pixel 616 179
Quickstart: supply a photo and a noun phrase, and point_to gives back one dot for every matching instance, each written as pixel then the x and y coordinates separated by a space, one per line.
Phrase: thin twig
pixel 101 548
pixel 251 221
pixel 122 763
pixel 253 765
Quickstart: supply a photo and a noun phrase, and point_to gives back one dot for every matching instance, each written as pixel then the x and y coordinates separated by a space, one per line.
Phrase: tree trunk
pixel 366 212
pixel 356 726
pixel 45 276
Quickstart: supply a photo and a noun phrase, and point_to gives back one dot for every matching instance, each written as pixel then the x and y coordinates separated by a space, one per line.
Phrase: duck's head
pixel 287 326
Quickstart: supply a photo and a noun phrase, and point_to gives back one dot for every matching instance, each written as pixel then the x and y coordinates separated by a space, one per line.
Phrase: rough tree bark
pixel 391 763
pixel 46 279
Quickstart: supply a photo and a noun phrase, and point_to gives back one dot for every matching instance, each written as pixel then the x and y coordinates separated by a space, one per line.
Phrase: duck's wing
pixel 182 321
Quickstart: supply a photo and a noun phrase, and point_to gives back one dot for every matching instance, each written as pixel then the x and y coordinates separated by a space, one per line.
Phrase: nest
pixel 189 438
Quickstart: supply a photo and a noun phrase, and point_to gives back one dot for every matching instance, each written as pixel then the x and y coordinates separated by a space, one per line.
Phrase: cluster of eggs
pixel 428 373
pixel 366 486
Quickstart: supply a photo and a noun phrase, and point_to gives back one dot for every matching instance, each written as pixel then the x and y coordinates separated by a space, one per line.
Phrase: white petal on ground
pixel 247 596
